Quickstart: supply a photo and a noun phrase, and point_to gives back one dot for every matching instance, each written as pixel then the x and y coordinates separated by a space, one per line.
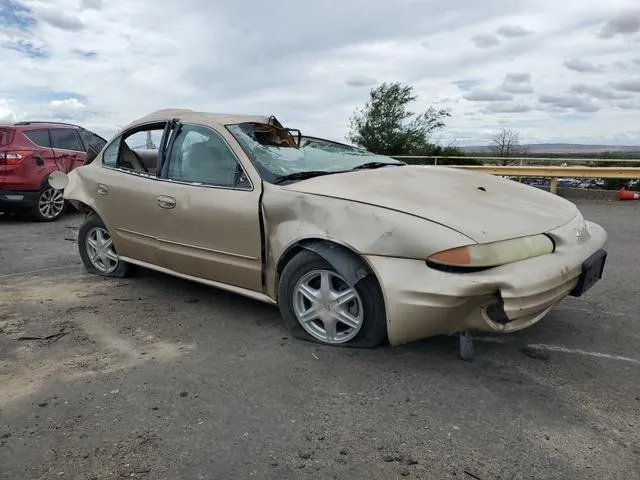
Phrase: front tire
pixel 97 251
pixel 318 305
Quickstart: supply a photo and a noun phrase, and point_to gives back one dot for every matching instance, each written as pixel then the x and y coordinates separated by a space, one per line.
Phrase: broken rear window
pixel 276 153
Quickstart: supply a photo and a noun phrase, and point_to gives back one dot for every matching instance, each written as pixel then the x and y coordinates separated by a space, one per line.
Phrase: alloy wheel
pixel 51 203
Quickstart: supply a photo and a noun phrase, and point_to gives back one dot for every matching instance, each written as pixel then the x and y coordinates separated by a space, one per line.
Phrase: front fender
pixel 292 218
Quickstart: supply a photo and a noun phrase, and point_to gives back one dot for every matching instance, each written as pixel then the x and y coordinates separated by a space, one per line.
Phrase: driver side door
pixel 210 226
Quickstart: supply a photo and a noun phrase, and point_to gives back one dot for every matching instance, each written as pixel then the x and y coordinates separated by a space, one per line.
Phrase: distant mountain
pixel 538 148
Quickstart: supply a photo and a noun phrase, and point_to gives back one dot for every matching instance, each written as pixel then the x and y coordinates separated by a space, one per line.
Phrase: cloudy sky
pixel 551 70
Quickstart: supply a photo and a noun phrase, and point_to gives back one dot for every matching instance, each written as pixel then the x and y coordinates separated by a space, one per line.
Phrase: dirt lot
pixel 158 378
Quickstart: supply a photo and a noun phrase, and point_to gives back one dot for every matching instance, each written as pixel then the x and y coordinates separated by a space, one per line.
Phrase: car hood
pixel 483 207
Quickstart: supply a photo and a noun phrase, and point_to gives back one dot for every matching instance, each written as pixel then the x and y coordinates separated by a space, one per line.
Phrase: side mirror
pixel 58 180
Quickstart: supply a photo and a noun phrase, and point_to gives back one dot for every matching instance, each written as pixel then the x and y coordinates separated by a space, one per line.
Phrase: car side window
pixel 66 139
pixel 110 155
pixel 92 141
pixel 201 155
pixel 39 137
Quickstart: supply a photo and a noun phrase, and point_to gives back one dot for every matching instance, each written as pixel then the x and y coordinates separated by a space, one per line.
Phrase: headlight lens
pixel 487 255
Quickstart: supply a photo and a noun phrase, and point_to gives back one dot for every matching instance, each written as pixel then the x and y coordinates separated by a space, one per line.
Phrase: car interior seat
pixel 128 159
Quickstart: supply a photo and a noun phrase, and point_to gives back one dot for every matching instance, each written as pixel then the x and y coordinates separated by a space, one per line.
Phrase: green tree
pixel 385 125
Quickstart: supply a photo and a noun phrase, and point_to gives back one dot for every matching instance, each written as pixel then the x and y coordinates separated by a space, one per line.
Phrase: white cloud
pixel 598 92
pixel 507 108
pixel 7 115
pixel 360 81
pixel 60 19
pixel 628 85
pixel 121 59
pixel 486 96
pixel 513 31
pixel 559 102
pixel 520 77
pixel 92 4
pixel 516 88
pixel 517 83
pixel 622 23
pixel 485 40
pixel 583 66
pixel 68 109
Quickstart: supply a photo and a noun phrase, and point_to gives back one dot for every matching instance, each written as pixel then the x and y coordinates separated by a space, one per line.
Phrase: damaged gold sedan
pixel 354 248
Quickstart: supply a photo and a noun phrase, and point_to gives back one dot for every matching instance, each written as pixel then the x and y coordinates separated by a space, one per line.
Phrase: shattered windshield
pixel 277 155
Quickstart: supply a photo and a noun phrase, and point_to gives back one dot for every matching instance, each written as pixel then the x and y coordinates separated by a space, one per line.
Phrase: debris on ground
pixel 48 339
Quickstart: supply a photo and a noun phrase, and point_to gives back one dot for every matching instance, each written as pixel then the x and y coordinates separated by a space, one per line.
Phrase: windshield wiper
pixel 369 165
pixel 301 175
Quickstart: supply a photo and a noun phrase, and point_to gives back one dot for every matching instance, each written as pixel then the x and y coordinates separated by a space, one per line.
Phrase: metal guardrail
pixel 555 172
pixel 549 171
pixel 520 160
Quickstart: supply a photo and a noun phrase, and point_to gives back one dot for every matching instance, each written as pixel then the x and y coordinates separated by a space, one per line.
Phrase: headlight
pixel 487 255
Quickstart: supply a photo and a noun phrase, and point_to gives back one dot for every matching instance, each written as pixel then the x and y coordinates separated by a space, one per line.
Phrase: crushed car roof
pixel 210 118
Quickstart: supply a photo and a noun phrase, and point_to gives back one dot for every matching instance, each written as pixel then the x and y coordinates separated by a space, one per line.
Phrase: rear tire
pixel 50 207
pixel 318 305
pixel 97 251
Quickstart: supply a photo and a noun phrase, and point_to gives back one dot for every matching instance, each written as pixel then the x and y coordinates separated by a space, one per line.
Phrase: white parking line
pixel 38 271
pixel 561 349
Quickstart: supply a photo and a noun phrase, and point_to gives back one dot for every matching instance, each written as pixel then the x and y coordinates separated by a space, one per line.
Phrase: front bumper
pixel 11 200
pixel 423 302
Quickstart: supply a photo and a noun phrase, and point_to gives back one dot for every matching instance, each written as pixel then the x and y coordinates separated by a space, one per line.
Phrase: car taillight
pixel 13 158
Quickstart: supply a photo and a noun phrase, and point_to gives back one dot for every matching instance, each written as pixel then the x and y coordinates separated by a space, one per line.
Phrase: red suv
pixel 29 152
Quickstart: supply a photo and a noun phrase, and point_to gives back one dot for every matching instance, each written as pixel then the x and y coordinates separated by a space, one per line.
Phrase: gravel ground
pixel 158 378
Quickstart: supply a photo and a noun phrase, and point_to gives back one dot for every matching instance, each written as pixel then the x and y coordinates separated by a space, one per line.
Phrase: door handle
pixel 102 189
pixel 166 202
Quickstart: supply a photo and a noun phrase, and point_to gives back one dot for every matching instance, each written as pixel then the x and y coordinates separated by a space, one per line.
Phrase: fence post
pixel 553 187
pixel 521 164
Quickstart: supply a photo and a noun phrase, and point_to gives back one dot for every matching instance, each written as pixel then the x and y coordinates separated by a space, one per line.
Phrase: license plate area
pixel 592 269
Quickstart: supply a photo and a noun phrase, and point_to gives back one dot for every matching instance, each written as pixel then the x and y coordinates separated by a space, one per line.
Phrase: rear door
pixel 126 198
pixel 44 161
pixel 67 148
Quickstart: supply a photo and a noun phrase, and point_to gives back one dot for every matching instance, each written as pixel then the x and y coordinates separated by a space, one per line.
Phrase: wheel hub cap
pixel 327 307
pixel 100 250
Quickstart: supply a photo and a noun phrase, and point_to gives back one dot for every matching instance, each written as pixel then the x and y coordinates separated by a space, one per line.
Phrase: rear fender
pixel 76 193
